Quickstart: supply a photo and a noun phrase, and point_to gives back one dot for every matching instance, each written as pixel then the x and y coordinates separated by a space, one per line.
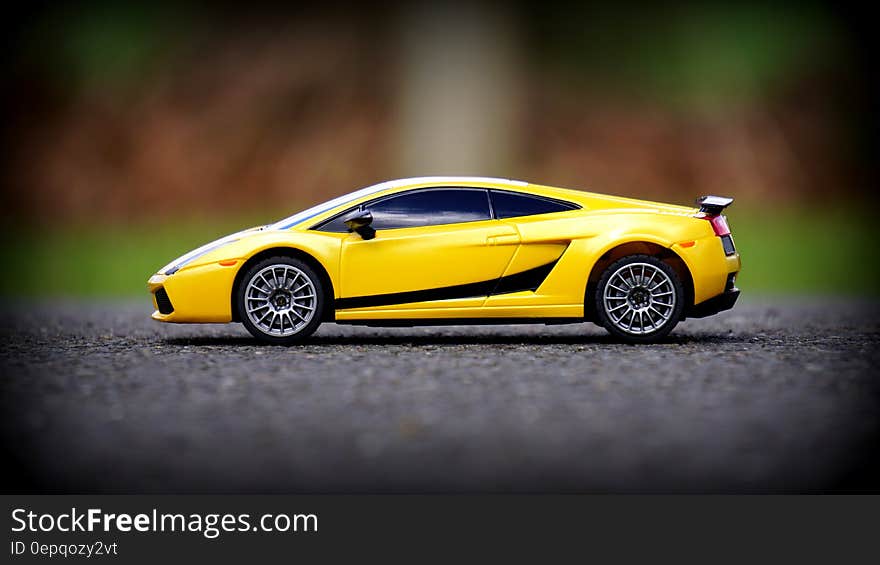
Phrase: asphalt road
pixel 772 396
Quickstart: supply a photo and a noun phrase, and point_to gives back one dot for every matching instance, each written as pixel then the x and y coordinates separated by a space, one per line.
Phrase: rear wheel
pixel 281 300
pixel 639 299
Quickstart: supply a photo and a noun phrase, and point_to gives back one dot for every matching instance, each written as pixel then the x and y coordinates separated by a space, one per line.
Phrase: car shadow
pixel 452 340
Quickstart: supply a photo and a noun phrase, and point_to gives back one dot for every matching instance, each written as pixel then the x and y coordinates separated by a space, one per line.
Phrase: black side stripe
pixel 526 280
pixel 469 290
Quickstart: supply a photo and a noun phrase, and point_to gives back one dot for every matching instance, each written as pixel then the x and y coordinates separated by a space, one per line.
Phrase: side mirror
pixel 359 221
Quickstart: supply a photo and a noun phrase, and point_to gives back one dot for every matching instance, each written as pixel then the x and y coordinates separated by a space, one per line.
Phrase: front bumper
pixel 714 305
pixel 199 294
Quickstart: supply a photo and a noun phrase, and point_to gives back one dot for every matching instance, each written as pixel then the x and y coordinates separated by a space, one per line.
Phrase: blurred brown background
pixel 151 116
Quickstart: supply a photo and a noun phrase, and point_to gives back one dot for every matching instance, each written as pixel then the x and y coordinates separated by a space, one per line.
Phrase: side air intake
pixel 163 302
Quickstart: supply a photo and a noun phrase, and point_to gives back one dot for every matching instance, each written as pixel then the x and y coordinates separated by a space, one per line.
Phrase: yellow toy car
pixel 462 250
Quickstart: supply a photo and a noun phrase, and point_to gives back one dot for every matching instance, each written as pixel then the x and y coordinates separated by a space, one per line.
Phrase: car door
pixel 431 246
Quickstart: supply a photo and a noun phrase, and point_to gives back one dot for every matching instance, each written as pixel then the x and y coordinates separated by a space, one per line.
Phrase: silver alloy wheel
pixel 639 298
pixel 280 300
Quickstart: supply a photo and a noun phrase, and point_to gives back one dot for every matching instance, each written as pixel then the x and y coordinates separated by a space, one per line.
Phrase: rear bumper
pixel 714 305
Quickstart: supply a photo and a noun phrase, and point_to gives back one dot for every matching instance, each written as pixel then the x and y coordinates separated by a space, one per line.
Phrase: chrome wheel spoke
pixel 264 316
pixel 293 281
pixel 257 309
pixel 298 315
pixel 650 318
pixel 632 319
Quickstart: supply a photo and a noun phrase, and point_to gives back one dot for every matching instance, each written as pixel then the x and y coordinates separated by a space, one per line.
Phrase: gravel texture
pixel 772 396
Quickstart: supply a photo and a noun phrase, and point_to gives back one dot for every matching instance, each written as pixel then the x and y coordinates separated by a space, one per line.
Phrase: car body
pixel 455 250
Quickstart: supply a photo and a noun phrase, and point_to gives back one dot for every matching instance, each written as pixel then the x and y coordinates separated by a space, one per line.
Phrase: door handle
pixel 503 239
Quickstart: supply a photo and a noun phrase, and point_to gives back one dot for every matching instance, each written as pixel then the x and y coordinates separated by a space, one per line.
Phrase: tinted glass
pixel 430 208
pixel 423 208
pixel 510 205
pixel 335 225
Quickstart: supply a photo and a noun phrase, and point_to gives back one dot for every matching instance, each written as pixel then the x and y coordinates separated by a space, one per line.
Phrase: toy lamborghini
pixel 462 250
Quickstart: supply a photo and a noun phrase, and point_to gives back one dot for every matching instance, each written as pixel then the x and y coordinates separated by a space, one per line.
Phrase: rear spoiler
pixel 713 205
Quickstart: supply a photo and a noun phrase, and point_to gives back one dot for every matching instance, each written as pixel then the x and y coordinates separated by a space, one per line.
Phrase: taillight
pixel 719 225
pixel 722 230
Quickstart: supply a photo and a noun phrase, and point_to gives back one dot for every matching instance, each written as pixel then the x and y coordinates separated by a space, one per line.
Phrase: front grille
pixel 163 302
pixel 727 243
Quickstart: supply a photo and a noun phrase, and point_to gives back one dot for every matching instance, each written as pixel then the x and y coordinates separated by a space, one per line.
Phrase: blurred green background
pixel 139 131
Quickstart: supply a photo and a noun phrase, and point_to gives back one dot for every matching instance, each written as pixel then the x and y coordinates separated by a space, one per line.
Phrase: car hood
pixel 173 266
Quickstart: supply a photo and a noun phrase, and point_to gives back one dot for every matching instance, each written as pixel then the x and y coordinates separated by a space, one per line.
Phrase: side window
pixel 430 208
pixel 512 205
pixel 335 225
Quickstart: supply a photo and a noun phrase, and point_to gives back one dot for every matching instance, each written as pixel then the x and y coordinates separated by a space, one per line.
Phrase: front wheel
pixel 639 299
pixel 281 300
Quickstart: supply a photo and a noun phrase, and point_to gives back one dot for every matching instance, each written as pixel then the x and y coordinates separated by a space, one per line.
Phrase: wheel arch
pixel 637 247
pixel 292 252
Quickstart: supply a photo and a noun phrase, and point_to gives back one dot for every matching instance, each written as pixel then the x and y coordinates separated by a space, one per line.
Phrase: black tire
pixel 663 305
pixel 291 307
